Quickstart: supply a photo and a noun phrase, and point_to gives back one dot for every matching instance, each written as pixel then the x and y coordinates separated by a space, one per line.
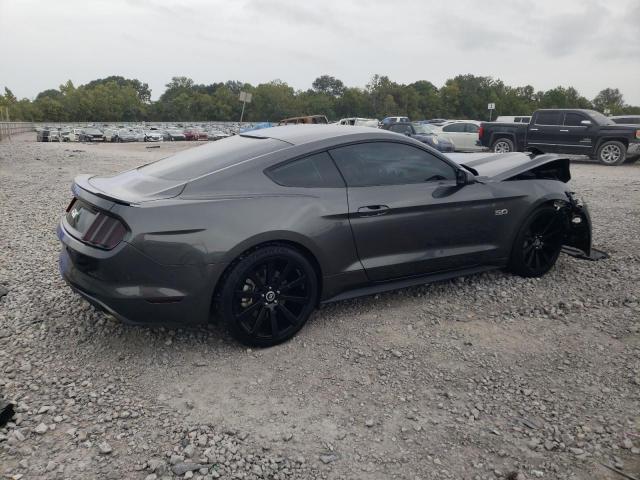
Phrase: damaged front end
pixel 577 241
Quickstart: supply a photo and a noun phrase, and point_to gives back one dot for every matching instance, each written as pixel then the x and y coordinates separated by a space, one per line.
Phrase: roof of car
pixel 448 122
pixel 300 134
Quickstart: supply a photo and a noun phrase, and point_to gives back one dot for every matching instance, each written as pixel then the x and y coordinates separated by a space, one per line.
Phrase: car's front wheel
pixel 268 296
pixel 612 153
pixel 503 145
pixel 538 243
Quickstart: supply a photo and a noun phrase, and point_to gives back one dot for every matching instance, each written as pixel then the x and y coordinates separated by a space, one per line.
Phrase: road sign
pixel 491 106
pixel 245 97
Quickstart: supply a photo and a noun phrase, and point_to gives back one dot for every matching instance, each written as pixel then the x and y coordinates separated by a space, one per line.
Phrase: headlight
pixel 435 140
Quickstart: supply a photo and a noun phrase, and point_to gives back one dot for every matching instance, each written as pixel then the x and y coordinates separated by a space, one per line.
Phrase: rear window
pixel 549 118
pixel 196 162
pixel 313 171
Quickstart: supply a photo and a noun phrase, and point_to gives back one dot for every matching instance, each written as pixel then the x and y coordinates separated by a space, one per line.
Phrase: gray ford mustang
pixel 263 226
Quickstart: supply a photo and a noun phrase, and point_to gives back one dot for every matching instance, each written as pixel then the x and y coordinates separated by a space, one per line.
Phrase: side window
pixel 573 119
pixel 471 128
pixel 454 127
pixel 386 163
pixel 314 171
pixel 549 118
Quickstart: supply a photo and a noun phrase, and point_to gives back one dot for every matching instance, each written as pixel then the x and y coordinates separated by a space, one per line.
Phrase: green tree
pixel 328 85
pixel 610 99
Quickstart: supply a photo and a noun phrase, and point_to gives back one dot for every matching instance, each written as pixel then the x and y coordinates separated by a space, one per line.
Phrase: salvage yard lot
pixel 478 377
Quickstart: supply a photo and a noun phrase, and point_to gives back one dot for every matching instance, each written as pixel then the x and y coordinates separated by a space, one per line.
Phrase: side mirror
pixel 585 122
pixel 464 178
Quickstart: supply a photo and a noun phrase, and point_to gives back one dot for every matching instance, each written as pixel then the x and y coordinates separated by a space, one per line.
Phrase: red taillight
pixel 105 232
pixel 71 204
pixel 480 132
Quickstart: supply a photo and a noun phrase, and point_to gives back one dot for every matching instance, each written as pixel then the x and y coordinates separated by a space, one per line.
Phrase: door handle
pixel 373 210
pixel 564 130
pixel 533 129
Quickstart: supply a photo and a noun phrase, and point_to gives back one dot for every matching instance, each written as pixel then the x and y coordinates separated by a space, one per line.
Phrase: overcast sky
pixel 588 44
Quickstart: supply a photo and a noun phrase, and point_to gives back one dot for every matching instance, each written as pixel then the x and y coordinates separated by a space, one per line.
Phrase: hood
pixel 131 187
pixel 504 166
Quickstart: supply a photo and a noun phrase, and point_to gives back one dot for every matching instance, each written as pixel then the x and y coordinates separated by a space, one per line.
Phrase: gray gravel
pixel 485 377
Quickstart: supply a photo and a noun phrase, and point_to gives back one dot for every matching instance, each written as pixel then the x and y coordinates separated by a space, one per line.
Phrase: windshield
pixel 424 128
pixel 195 162
pixel 600 118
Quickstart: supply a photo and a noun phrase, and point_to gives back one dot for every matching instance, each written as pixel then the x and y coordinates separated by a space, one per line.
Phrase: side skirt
pixel 408 282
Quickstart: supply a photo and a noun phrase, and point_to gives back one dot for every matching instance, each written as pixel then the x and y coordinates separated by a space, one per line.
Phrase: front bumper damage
pixel 578 241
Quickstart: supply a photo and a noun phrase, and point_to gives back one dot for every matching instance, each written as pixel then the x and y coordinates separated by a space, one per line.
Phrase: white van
pixel 359 122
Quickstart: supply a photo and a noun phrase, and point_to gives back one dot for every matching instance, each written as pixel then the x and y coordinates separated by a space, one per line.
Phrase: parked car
pixel 74 134
pixel 65 134
pixel 463 134
pixel 90 135
pixel 436 121
pixel 309 119
pixel 42 135
pixel 389 120
pixel 373 211
pixel 125 135
pixel 55 136
pixel 195 134
pixel 626 119
pixel 424 133
pixel 153 136
pixel 110 134
pixel 359 122
pixel 568 131
pixel 513 119
pixel 174 135
pixel 216 135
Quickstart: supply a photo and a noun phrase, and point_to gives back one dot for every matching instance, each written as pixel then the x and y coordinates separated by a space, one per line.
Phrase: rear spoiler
pixel 81 182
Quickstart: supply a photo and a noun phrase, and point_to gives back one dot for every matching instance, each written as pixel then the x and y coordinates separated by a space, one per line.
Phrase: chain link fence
pixel 7 129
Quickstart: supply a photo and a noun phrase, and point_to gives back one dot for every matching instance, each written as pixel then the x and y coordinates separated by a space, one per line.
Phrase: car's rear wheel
pixel 503 145
pixel 268 296
pixel 538 243
pixel 612 153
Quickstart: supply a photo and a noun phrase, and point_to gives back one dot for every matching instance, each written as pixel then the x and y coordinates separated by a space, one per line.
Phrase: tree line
pixel 116 98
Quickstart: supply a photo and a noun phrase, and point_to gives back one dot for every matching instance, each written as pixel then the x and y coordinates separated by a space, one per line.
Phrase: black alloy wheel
pixel 268 296
pixel 539 242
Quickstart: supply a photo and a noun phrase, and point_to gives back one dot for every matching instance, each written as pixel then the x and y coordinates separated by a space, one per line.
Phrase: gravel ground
pixel 485 377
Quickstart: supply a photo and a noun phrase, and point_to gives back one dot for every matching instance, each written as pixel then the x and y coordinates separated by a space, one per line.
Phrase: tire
pixel 503 145
pixel 612 153
pixel 538 243
pixel 268 296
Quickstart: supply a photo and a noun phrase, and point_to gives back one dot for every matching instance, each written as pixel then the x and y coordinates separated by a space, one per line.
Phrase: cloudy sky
pixel 588 44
